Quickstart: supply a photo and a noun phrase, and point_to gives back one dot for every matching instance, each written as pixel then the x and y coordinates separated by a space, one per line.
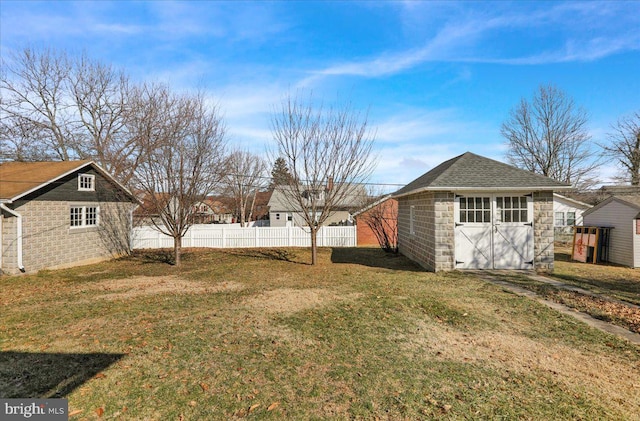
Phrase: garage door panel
pixel 473 247
pixel 512 248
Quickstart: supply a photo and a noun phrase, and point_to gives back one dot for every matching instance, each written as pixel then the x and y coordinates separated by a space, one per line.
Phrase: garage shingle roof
pixel 474 172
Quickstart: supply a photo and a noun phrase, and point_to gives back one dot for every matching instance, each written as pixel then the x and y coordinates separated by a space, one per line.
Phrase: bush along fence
pixel 219 236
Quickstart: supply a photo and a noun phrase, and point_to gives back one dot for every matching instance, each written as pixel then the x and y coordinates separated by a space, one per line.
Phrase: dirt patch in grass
pixel 288 301
pixel 518 354
pixel 139 286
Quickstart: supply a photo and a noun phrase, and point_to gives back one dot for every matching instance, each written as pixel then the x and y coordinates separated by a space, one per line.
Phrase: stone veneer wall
pixel 432 244
pixel 48 241
pixel 543 234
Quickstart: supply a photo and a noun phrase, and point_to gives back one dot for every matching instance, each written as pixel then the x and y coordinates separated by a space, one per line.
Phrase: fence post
pixel 290 236
pixel 257 236
pixel 224 237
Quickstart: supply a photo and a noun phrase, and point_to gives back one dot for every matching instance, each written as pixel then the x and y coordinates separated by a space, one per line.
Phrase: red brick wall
pixel 366 237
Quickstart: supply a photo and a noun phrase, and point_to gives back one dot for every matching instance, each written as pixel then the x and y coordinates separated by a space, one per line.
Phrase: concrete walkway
pixel 593 322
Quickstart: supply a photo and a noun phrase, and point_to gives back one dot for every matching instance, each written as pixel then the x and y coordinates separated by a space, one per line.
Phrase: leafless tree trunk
pixel 184 159
pixel 328 152
pixel 548 135
pixel 624 146
pixel 245 178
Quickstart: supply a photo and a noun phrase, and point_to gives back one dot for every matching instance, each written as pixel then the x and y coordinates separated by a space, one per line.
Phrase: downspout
pixel 19 232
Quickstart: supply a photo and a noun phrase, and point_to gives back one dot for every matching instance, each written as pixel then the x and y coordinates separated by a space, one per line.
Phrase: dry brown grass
pixel 362 335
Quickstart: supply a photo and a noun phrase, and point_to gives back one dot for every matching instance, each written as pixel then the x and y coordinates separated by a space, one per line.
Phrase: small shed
pixel 472 212
pixel 622 213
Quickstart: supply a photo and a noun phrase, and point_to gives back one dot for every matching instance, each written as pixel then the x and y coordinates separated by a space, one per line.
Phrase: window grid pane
pixel 512 209
pixel 75 217
pixel 91 216
pixel 475 209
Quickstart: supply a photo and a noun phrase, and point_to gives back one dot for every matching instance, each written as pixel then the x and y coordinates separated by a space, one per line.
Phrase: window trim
pixel 412 220
pixel 556 219
pixel 87 177
pixel 83 216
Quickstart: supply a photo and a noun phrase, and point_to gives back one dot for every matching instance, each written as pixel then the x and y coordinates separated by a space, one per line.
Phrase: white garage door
pixel 494 232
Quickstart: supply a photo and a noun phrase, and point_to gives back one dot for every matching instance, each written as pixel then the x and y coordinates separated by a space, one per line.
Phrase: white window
pixel 571 218
pixel 512 209
pixel 412 219
pixel 475 209
pixel 83 216
pixel 560 219
pixel 86 182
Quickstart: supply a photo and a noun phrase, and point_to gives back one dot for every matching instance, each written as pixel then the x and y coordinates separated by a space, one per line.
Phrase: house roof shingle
pixel 20 178
pixel 474 172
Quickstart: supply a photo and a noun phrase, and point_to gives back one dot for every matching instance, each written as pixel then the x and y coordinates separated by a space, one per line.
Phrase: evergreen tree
pixel 280 174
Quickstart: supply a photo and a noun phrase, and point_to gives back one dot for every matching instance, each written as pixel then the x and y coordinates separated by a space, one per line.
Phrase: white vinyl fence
pixel 219 236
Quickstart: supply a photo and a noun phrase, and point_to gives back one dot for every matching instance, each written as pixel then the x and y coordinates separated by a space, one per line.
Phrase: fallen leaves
pixel 273 406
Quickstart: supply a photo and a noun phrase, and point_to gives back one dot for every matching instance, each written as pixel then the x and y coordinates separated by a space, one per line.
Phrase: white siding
pixel 624 244
pixel 560 205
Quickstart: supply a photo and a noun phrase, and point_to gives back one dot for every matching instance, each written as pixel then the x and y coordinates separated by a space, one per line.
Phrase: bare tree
pixel 103 101
pixel 328 153
pixel 36 117
pixel 624 146
pixel 246 176
pixel 548 135
pixel 184 159
pixel 58 107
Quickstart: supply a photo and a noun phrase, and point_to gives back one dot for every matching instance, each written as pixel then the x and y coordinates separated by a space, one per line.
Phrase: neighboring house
pixel 384 213
pixel 567 213
pixel 56 214
pixel 622 213
pixel 207 211
pixel 284 213
pixel 472 212
pixel 211 211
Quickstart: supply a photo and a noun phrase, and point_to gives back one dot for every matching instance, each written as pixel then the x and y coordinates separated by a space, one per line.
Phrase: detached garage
pixel 472 212
pixel 622 213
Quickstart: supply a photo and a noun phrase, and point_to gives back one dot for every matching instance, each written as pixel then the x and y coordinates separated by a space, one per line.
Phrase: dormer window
pixel 86 182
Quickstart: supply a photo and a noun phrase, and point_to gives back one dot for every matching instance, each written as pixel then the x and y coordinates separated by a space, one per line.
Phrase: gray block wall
pixel 543 233
pixel 432 244
pixel 48 240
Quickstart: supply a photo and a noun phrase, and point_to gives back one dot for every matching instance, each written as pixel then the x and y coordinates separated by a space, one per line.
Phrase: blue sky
pixel 437 78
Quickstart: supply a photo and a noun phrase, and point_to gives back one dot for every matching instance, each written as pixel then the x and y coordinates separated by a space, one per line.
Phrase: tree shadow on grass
pixel 284 255
pixel 47 375
pixel 154 256
pixel 374 257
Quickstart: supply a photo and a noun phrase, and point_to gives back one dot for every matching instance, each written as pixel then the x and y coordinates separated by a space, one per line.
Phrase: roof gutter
pixel 19 233
pixel 479 189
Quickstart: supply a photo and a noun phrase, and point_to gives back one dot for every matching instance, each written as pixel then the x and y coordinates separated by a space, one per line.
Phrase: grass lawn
pixel 264 335
pixel 619 286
